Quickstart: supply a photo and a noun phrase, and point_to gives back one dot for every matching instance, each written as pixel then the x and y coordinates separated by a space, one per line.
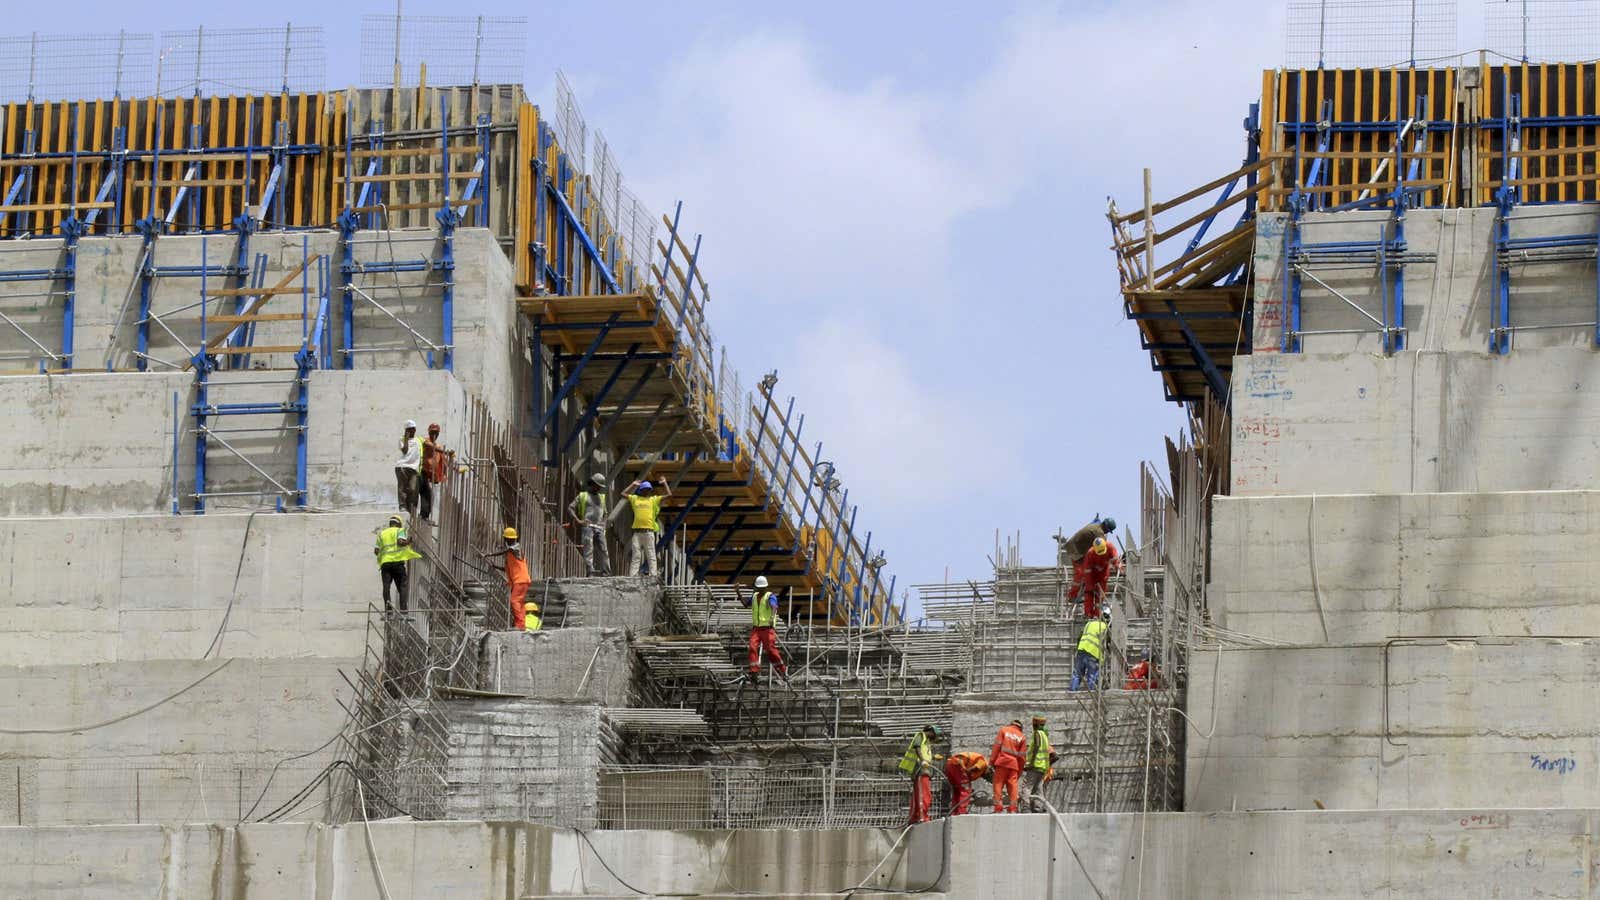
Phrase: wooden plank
pixel 51 207
pixel 260 300
pixel 242 351
pixel 398 207
pixel 258 317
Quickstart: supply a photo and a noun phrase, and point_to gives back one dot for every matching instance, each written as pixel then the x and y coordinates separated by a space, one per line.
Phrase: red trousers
pixel 1005 779
pixel 1089 582
pixel 960 787
pixel 519 593
pixel 921 797
pixel 765 639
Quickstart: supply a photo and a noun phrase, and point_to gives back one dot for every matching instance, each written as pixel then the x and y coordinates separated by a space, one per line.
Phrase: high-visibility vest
pixel 531 620
pixel 1039 750
pixel 1093 633
pixel 762 615
pixel 917 755
pixel 583 505
pixel 645 511
pixel 389 547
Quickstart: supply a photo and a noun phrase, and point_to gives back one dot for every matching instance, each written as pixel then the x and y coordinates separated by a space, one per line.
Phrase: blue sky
pixel 903 208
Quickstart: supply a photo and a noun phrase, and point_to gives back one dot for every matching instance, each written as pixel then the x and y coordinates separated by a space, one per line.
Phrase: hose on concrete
pixel 72 729
pixel 1064 836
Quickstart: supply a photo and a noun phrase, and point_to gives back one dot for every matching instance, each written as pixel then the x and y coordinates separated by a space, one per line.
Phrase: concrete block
pixel 593 664
pixel 621 602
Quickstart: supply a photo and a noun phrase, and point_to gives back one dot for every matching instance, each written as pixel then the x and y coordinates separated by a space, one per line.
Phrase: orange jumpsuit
pixel 1006 758
pixel 518 578
pixel 1089 579
pixel 1142 677
pixel 961 770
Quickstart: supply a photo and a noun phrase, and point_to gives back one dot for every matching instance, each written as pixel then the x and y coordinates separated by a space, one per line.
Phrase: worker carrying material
pixel 1037 763
pixel 1074 548
pixel 407 468
pixel 436 462
pixel 763 630
pixel 1142 676
pixel 646 504
pixel 1090 575
pixel 589 510
pixel 1091 649
pixel 1007 758
pixel 917 762
pixel 518 580
pixel 961 770
pixel 393 550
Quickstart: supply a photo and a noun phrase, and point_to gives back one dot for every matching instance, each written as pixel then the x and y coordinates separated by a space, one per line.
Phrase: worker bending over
pixel 1142 676
pixel 518 580
pixel 1090 576
pixel 763 630
pixel 407 468
pixel 1039 758
pixel 589 509
pixel 1006 758
pixel 961 770
pixel 646 506
pixel 918 763
pixel 1091 649
pixel 393 550
pixel 1072 549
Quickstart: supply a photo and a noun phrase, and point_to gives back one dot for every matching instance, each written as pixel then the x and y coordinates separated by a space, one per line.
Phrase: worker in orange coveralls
pixel 961 770
pixel 517 578
pixel 1142 676
pixel 1090 574
pixel 1006 759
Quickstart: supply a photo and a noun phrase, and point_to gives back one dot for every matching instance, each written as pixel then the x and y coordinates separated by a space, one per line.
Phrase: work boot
pixel 784 676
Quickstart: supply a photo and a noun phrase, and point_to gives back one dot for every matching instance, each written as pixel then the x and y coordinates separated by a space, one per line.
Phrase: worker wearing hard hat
pixel 589 509
pixel 393 550
pixel 961 770
pixel 436 460
pixel 917 762
pixel 1036 765
pixel 518 580
pixel 1007 758
pixel 408 468
pixel 1072 549
pixel 1091 650
pixel 1090 576
pixel 763 630
pixel 646 504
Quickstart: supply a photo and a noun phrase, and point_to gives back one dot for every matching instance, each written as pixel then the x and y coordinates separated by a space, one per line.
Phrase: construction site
pixel 1359 584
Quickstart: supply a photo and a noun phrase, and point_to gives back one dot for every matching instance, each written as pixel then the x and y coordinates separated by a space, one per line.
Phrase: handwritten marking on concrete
pixel 1486 820
pixel 1560 765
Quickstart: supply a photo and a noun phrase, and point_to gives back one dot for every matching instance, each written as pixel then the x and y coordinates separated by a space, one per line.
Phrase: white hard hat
pixel 761 581
pixel 410 423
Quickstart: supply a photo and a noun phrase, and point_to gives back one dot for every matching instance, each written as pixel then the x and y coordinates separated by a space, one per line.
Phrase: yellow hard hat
pixel 1100 547
pixel 509 534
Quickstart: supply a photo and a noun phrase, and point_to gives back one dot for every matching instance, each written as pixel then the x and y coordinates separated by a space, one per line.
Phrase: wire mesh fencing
pixel 571 128
pixel 205 61
pixel 1362 33
pixel 35 66
pixel 1543 30
pixel 454 50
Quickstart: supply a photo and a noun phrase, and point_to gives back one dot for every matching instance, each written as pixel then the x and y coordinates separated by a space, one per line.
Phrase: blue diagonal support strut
pixel 577 370
pixel 593 408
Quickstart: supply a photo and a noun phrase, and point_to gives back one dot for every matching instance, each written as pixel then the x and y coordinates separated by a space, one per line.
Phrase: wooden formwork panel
pixel 1558 160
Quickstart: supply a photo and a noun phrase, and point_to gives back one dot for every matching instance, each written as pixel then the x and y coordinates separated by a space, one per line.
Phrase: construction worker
pixel 588 509
pixel 1091 649
pixel 1090 575
pixel 393 550
pixel 436 462
pixel 646 506
pixel 918 764
pixel 407 468
pixel 1142 676
pixel 1006 758
pixel 1037 764
pixel 763 634
pixel 961 770
pixel 1072 549
pixel 517 581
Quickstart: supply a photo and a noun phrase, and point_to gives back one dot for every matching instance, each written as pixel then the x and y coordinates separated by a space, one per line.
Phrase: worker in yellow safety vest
pixel 917 762
pixel 1037 764
pixel 588 509
pixel 646 504
pixel 393 550
pixel 1091 649
pixel 763 630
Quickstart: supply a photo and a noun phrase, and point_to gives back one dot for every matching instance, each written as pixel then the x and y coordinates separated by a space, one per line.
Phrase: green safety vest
pixel 918 754
pixel 1039 750
pixel 389 548
pixel 583 505
pixel 762 615
pixel 1093 633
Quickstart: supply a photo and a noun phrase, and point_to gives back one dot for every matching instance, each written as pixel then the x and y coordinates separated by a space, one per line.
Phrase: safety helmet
pixel 644 485
pixel 1099 547
pixel 936 731
pixel 1106 614
pixel 411 424
pixel 396 520
pixel 432 427
pixel 1108 524
pixel 1017 722
pixel 1038 720
pixel 509 533
pixel 761 581
pixel 597 480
